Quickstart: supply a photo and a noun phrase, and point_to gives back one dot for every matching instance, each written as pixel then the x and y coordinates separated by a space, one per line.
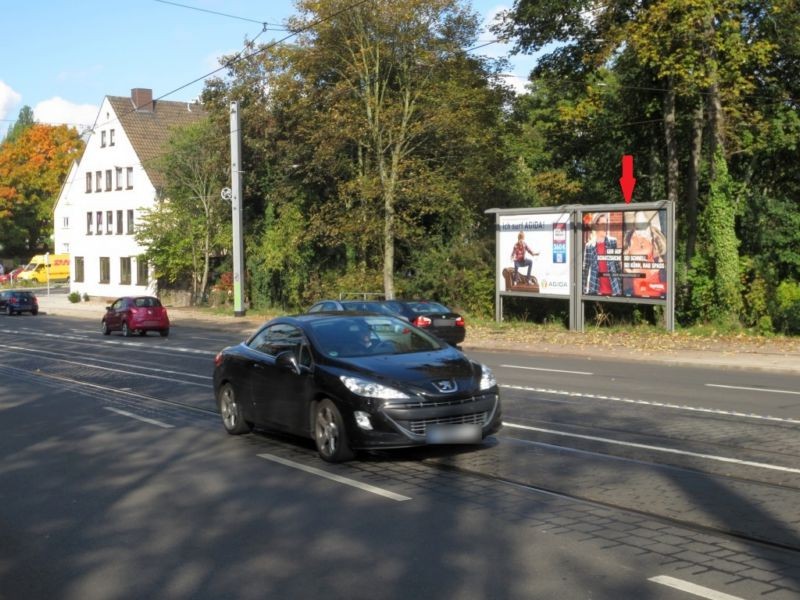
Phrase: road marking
pixel 125 413
pixel 118 370
pixel 656 448
pixel 548 370
pixel 714 411
pixel 338 478
pixel 692 588
pixel 751 389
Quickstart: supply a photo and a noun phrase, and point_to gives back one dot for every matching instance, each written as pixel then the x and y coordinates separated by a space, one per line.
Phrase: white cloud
pixel 57 111
pixel 8 100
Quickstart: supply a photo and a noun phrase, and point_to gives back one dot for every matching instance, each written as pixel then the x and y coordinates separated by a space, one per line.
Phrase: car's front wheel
pixel 104 328
pixel 9 310
pixel 231 411
pixel 330 435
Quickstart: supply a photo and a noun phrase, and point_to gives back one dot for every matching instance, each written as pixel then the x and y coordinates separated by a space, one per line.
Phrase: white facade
pixel 100 205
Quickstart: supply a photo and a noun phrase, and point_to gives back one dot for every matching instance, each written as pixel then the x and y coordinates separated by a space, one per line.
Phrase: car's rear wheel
pixel 330 435
pixel 104 328
pixel 126 331
pixel 164 332
pixel 142 332
pixel 9 310
pixel 231 411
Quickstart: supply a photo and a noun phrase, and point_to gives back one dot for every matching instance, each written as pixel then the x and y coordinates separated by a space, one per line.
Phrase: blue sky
pixel 61 58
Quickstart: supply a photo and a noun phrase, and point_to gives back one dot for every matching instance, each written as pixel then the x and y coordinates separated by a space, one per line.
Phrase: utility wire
pixel 221 14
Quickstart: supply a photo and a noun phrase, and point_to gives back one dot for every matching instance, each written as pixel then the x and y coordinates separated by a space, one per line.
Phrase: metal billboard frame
pixel 577 299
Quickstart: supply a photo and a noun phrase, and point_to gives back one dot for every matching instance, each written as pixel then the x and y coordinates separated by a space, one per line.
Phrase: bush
pixel 74 297
pixel 85 297
pixel 787 309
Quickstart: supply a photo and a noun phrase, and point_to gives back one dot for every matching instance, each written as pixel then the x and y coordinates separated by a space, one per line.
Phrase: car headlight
pixel 370 389
pixel 487 378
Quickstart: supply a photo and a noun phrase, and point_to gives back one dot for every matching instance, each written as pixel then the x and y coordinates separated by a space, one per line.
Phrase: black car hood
pixel 419 371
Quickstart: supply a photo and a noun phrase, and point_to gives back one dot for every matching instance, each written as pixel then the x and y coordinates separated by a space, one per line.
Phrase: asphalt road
pixel 609 480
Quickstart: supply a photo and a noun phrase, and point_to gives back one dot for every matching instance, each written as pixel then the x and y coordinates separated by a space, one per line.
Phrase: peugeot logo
pixel 445 385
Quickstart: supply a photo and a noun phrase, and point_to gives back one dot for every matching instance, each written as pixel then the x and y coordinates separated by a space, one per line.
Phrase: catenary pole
pixel 236 213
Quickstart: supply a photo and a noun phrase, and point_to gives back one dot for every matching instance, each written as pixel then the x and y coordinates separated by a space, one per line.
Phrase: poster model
pixel 624 254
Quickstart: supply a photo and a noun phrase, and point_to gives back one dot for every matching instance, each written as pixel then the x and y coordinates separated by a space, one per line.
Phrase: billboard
pixel 625 253
pixel 534 253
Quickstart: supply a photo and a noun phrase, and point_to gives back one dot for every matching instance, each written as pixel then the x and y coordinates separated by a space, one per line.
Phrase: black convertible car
pixel 355 381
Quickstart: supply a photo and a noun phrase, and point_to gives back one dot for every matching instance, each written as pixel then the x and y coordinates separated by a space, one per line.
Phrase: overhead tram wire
pixel 221 14
pixel 241 57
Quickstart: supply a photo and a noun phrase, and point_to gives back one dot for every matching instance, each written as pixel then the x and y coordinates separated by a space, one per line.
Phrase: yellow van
pixel 44 267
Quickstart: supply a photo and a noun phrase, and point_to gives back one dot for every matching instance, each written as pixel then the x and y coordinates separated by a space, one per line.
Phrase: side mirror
pixel 108 308
pixel 287 360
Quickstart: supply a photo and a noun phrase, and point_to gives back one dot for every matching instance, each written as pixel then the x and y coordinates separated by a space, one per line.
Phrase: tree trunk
pixel 693 182
pixel 672 144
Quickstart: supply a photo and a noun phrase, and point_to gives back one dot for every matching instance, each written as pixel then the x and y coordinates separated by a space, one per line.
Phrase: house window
pixel 130 222
pixel 105 269
pixel 141 270
pixel 129 181
pixel 65 223
pixel 109 222
pixel 66 248
pixel 119 222
pixel 99 230
pixel 111 138
pixel 108 180
pixel 119 177
pixel 98 181
pixel 125 270
pixel 78 269
pixel 88 223
pixel 102 139
pixel 88 182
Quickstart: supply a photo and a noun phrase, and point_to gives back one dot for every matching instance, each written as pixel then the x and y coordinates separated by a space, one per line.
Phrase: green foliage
pixel 190 224
pixel 459 273
pixel 74 297
pixel 787 307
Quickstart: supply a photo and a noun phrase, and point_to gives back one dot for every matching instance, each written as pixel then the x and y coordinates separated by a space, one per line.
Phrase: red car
pixel 136 314
pixel 11 275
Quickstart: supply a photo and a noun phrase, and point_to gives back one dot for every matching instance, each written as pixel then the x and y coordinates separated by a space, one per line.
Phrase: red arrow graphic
pixel 627 182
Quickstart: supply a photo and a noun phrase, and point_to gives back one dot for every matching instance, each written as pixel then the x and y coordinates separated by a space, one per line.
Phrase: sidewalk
pixel 738 354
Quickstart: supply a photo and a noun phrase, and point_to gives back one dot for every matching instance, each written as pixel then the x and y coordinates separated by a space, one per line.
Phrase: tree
pixel 24 121
pixel 190 223
pixel 32 170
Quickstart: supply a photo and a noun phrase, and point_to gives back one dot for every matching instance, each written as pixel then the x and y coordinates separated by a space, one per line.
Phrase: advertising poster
pixel 624 254
pixel 534 252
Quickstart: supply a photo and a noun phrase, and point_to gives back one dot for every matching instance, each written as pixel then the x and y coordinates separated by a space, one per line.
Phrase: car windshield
pixel 350 337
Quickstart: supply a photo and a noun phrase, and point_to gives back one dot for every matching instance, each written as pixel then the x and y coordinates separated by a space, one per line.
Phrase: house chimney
pixel 142 99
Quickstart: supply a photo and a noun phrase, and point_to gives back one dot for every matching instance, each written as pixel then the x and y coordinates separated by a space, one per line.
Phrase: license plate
pixel 453 434
pixel 443 322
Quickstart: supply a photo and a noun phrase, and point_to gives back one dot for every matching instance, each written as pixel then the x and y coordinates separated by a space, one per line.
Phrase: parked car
pixel 15 302
pixel 431 316
pixel 355 381
pixel 351 305
pixel 12 275
pixel 140 314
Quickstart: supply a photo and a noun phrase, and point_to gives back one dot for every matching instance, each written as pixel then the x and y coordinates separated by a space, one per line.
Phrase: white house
pixel 104 195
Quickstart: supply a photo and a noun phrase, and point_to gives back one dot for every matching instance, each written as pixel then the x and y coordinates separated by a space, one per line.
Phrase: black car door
pixel 279 395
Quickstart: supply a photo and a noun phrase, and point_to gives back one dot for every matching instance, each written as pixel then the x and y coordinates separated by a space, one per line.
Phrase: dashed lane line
pixel 593 438
pixel 337 478
pixel 547 370
pixel 751 389
pixel 714 411
pixel 125 413
pixel 692 588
